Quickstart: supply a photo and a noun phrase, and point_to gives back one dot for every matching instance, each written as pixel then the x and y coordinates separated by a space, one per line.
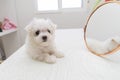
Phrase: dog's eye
pixel 48 31
pixel 37 33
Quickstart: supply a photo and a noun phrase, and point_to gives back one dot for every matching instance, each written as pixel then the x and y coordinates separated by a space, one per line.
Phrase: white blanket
pixel 78 63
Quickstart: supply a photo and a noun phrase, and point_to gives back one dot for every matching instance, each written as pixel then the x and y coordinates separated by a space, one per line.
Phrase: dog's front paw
pixel 51 59
pixel 59 54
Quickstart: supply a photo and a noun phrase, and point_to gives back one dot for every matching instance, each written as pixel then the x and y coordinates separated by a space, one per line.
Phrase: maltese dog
pixel 40 43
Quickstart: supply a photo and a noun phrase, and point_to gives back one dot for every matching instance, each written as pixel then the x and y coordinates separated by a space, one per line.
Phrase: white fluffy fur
pixel 36 47
pixel 102 47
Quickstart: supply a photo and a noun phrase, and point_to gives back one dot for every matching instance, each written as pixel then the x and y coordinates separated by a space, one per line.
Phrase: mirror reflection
pixel 102 31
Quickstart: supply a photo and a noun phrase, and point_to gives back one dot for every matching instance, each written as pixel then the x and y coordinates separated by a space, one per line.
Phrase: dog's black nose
pixel 44 38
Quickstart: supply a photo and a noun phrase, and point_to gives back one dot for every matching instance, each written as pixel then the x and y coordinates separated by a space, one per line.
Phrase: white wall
pixel 23 11
pixel 8 9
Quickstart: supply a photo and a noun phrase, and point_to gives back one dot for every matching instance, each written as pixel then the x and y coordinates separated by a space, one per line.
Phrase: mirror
pixel 102 30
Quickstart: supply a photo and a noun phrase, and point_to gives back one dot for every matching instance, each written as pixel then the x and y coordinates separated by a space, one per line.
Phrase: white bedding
pixel 78 63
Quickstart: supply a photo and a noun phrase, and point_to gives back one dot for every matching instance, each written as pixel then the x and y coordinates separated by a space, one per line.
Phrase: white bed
pixel 78 63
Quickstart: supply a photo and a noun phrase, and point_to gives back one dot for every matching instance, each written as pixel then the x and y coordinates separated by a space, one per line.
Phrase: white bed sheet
pixel 78 63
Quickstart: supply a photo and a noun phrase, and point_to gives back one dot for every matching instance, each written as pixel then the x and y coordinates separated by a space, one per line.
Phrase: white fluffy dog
pixel 102 47
pixel 40 41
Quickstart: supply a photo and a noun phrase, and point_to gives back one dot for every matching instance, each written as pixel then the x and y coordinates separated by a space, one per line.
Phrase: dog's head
pixel 41 31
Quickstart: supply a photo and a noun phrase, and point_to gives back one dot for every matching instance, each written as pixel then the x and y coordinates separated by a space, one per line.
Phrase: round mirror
pixel 102 30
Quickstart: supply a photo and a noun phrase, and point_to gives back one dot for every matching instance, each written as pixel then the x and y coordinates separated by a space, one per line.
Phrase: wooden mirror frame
pixel 110 52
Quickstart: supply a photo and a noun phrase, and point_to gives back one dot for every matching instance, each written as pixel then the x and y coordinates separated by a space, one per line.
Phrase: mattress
pixel 78 63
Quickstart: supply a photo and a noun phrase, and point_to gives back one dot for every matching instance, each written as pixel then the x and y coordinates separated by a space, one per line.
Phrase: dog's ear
pixel 28 28
pixel 54 26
